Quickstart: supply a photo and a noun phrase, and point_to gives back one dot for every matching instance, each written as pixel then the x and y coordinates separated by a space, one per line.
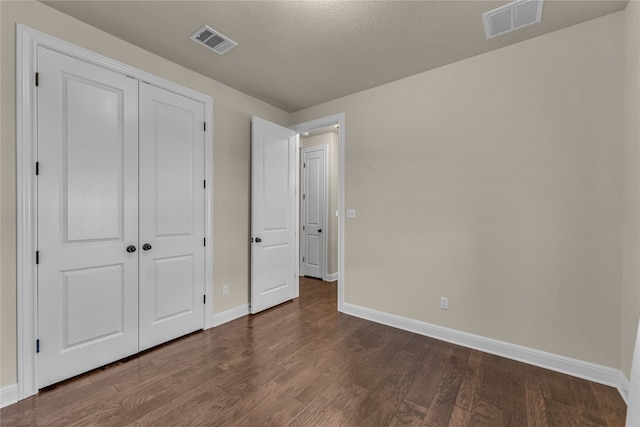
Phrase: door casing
pixel 338 120
pixel 27 42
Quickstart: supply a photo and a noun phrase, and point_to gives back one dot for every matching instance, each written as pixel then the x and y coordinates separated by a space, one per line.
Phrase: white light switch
pixel 351 213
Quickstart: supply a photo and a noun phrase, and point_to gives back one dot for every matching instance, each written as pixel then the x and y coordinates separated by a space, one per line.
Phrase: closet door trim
pixel 27 42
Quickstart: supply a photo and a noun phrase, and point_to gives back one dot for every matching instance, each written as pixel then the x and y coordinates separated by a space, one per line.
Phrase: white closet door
pixel 87 216
pixel 172 215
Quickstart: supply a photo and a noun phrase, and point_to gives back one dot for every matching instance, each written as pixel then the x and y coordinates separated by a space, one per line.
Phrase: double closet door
pixel 121 216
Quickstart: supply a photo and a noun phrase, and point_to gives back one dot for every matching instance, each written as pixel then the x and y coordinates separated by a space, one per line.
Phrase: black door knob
pixel 131 249
pixel 258 240
pixel 319 230
pixel 146 246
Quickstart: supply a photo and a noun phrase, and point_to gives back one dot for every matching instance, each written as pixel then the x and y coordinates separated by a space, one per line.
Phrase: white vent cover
pixel 511 17
pixel 213 40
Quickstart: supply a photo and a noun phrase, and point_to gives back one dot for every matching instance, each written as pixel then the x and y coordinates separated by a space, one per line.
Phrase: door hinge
pixel 204 184
pixel 37 168
pixel 304 165
pixel 37 346
pixel 303 228
pixel 37 79
pixel 204 299
pixel 204 239
pixel 37 257
pixel 205 126
pixel 302 259
pixel 304 196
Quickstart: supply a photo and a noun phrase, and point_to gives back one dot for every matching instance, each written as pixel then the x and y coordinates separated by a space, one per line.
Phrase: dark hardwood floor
pixel 303 363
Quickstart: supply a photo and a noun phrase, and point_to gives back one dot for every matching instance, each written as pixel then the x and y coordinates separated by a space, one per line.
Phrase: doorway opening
pixel 329 131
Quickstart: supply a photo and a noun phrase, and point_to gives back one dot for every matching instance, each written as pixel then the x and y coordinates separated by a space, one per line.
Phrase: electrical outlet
pixel 225 290
pixel 444 303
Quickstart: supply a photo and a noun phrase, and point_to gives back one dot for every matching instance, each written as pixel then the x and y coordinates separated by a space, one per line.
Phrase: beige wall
pixel 631 230
pixel 231 134
pixel 497 182
pixel 331 140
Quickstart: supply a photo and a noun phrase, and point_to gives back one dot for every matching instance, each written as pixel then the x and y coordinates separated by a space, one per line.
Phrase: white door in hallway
pixel 273 215
pixel 87 216
pixel 314 198
pixel 172 215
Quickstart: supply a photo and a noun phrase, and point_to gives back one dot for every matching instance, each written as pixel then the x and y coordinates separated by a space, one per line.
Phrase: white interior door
pixel 313 211
pixel 172 215
pixel 87 216
pixel 273 215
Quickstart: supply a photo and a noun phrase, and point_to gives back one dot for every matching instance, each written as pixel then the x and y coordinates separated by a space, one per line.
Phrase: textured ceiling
pixel 296 54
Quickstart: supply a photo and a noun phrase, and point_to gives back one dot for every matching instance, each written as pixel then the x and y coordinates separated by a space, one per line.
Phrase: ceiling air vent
pixel 511 17
pixel 213 40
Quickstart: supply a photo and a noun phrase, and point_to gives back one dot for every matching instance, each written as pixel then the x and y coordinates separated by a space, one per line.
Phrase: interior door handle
pixel 258 240
pixel 131 249
pixel 146 247
pixel 319 230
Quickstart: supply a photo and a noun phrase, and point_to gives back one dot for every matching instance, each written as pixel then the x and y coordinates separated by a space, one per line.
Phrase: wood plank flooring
pixel 305 364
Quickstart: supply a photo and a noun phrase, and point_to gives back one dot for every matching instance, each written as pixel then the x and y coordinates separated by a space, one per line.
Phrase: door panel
pixel 172 212
pixel 92 293
pixel 275 185
pixel 87 216
pixel 312 258
pixel 273 215
pixel 171 299
pixel 313 211
pixel 173 142
pixel 93 178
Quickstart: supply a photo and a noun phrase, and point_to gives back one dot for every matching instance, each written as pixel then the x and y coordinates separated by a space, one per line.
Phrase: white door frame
pixel 339 120
pixel 27 42
pixel 325 262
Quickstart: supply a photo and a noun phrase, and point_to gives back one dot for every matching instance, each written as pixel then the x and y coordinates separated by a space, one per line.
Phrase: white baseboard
pixel 229 315
pixel 623 387
pixel 8 395
pixel 333 277
pixel 566 365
